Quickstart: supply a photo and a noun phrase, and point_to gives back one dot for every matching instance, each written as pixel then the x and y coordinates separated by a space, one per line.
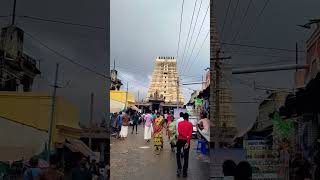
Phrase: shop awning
pixel 133 107
pixel 116 106
pixel 78 146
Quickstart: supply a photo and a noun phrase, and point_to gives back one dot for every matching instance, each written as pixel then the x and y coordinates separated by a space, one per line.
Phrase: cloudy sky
pixel 141 30
pixel 84 45
pixel 277 28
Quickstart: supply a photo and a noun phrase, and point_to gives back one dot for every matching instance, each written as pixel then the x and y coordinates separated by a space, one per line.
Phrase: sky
pixel 276 27
pixel 84 45
pixel 142 30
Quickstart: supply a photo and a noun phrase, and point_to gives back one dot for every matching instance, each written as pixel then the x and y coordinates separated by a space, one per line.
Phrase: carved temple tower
pixel 165 86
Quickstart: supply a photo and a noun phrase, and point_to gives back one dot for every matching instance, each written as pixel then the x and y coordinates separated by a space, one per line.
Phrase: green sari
pixel 173 132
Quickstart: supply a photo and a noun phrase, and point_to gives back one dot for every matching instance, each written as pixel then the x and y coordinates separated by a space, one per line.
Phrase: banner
pixel 198 102
pixel 261 157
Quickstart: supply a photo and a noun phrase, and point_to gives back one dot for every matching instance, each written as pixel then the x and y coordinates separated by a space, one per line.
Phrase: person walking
pixel 119 123
pixel 184 137
pixel 52 173
pixel 154 116
pixel 170 117
pixel 157 132
pixel 179 120
pixel 172 134
pixel 177 123
pixel 81 172
pixel 135 120
pixel 147 127
pixel 166 118
pixel 33 172
pixel 125 126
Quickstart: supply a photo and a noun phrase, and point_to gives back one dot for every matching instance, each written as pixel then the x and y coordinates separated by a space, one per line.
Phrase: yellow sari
pixel 157 131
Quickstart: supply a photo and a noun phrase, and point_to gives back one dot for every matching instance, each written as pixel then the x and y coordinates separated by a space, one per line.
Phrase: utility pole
pixel 53 104
pixel 91 110
pixel 296 56
pixel 14 12
pixel 91 119
pixel 126 103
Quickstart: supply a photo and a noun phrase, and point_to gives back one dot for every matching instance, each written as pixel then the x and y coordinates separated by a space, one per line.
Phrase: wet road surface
pixel 133 160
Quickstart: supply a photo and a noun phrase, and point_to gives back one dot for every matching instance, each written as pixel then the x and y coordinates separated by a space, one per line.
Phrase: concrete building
pixel 17 69
pixel 32 110
pixel 119 99
pixel 115 82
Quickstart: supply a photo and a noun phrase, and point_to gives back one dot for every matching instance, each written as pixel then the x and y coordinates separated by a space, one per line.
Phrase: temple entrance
pixel 155 107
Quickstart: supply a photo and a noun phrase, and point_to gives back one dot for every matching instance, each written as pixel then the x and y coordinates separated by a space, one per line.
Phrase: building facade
pixel 33 110
pixel 222 119
pixel 303 76
pixel 165 81
pixel 17 69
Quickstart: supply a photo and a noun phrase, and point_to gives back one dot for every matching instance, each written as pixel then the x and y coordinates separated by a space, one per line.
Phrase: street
pixel 132 159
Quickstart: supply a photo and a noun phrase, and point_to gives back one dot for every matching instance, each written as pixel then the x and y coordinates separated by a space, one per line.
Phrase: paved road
pixel 132 159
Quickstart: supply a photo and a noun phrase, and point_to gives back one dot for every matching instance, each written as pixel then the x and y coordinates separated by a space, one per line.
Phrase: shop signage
pixel 261 157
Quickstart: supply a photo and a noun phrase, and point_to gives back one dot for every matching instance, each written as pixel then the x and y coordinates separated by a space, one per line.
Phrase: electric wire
pixel 183 54
pixel 65 57
pixel 180 29
pixel 197 37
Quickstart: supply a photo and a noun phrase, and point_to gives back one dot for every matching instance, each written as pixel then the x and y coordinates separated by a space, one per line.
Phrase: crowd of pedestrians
pixel 178 132
pixel 83 171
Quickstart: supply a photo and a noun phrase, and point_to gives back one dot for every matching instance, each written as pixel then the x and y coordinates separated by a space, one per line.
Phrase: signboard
pixel 176 112
pixel 261 157
pixel 265 176
pixel 189 110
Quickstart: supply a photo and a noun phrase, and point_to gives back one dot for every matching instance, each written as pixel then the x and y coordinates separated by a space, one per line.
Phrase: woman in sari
pixel 172 133
pixel 157 132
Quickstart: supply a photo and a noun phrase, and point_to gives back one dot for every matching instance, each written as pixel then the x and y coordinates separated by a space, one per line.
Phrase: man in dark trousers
pixel 184 137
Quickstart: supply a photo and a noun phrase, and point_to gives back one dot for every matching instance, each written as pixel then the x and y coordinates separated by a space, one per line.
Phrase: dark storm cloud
pixel 276 28
pixel 141 30
pixel 84 45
